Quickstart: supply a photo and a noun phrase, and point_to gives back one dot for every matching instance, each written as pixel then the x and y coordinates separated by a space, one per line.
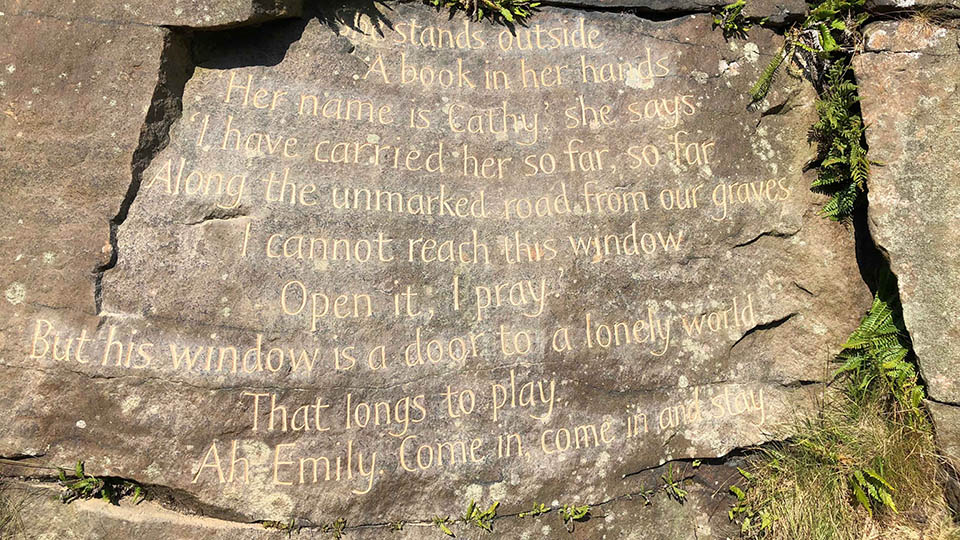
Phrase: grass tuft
pixel 11 525
pixel 808 487
pixel 866 466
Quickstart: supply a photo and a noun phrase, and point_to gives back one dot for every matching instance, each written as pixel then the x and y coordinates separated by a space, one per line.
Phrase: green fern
pixel 837 24
pixel 762 87
pixel 845 167
pixel 830 32
pixel 876 354
pixel 871 488
pixel 731 21
pixel 509 11
pixel 826 38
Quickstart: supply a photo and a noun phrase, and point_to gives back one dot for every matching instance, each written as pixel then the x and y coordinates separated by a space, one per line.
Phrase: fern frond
pixel 841 204
pixel 876 355
pixel 762 87
pixel 826 182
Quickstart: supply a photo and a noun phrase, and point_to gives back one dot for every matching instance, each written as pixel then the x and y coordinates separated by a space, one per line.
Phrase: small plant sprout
pixel 674 486
pixel 397 525
pixel 443 523
pixel 285 526
pixel 646 493
pixel 730 20
pixel 570 514
pixel 482 520
pixel 538 510
pixel 338 527
pixel 86 486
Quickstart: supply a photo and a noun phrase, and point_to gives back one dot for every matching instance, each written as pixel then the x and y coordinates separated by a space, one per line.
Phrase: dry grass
pixel 11 525
pixel 804 488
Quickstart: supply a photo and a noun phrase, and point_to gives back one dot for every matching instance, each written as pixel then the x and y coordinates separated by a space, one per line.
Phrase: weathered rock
pixel 189 13
pixel 929 7
pixel 775 11
pixel 637 516
pixel 910 103
pixel 69 126
pixel 42 516
pixel 254 322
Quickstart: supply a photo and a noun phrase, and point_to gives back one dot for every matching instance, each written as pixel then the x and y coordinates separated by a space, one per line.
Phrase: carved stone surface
pixel 448 260
pixel 910 102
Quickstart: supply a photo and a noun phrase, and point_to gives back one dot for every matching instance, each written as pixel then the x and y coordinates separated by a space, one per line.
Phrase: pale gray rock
pixel 910 104
pixel 69 126
pixel 941 7
pixel 910 101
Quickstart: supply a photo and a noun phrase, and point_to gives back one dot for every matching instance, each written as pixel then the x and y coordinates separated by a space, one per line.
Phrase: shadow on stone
pixel 264 45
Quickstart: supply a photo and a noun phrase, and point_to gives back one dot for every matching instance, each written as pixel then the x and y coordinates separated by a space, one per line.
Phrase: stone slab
pixel 208 14
pixel 910 103
pixel 69 126
pixel 632 272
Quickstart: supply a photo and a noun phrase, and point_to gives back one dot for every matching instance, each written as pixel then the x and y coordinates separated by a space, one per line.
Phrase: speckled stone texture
pixel 632 273
pixel 910 103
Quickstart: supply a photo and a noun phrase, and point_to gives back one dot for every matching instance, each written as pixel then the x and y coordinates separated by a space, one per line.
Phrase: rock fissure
pixel 166 104
pixel 770 234
pixel 640 11
pixel 763 327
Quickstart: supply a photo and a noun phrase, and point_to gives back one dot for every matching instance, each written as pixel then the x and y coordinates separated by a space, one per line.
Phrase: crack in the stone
pixel 772 234
pixel 20 456
pixel 764 326
pixel 174 499
pixel 802 383
pixel 710 460
pixel 666 13
pixel 945 403
pixel 219 214
pixel 178 501
pixel 166 106
pixel 642 12
pixel 804 289
pixel 920 52
pixel 783 107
